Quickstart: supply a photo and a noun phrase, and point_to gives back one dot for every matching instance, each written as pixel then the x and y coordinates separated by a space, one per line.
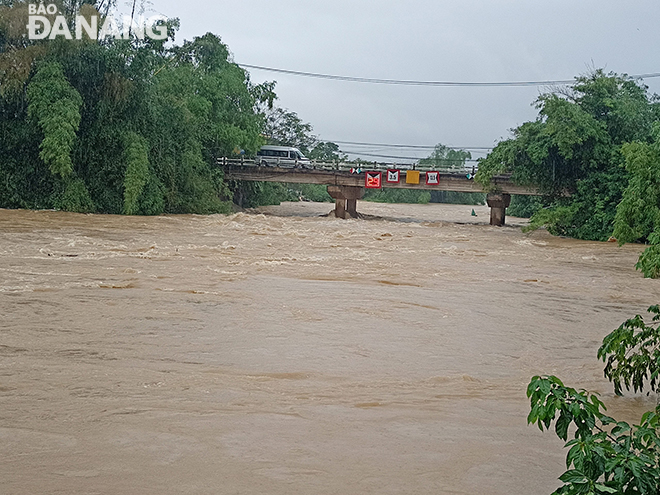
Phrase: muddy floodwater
pixel 281 352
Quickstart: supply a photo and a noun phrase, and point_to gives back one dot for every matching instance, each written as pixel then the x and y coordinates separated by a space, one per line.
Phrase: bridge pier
pixel 498 204
pixel 346 200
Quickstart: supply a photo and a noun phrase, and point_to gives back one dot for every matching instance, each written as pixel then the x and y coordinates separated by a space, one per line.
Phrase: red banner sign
pixel 372 180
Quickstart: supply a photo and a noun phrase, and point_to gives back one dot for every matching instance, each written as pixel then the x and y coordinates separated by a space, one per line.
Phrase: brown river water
pixel 280 352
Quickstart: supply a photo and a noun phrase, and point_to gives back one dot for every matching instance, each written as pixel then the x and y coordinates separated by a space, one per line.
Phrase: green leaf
pixel 573 476
pixel 605 489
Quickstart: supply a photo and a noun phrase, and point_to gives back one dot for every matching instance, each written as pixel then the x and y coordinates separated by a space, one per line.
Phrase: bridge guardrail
pixel 347 166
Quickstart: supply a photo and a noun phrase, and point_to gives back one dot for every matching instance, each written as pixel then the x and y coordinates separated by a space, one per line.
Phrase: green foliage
pixel 524 206
pixel 575 146
pixel 135 126
pixel 391 195
pixel 152 200
pixel 632 354
pixel 649 260
pixel 638 214
pixel 254 194
pixel 137 171
pixel 605 455
pixel 558 219
pixel 444 158
pixel 55 105
pixel 589 213
pixel 284 128
pixel 326 152
pixel 74 197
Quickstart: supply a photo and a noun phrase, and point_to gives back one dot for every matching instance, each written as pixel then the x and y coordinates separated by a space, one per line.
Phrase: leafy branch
pixel 605 455
pixel 632 354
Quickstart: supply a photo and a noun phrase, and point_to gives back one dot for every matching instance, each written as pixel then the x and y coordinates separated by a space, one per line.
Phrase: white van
pixel 281 156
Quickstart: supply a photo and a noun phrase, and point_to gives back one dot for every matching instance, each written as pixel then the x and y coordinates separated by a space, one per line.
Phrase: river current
pixel 279 351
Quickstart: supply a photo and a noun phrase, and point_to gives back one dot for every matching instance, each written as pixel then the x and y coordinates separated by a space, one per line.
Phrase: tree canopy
pixel 120 125
pixel 445 158
pixel 575 146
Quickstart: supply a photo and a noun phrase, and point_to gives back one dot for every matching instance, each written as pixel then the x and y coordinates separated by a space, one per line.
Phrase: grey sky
pixel 508 40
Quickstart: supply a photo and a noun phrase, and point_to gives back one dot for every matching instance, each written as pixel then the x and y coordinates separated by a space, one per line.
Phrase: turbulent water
pixel 281 352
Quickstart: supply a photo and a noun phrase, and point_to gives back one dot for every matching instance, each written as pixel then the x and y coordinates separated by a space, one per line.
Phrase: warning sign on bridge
pixel 432 178
pixel 373 180
pixel 412 177
pixel 393 176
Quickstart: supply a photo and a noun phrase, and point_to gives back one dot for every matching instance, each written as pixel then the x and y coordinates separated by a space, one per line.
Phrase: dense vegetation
pixel 594 152
pixel 605 455
pixel 120 126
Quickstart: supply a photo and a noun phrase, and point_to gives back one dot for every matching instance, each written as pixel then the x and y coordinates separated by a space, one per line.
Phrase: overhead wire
pixel 410 146
pixel 405 82
pixel 402 157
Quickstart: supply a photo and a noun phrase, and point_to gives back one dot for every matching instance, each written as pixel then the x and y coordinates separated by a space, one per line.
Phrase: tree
pixel 120 126
pixel 284 128
pixel 327 152
pixel 444 158
pixel 575 146
pixel 638 214
pixel 605 455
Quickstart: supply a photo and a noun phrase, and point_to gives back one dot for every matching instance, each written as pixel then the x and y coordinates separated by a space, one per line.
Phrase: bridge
pixel 346 186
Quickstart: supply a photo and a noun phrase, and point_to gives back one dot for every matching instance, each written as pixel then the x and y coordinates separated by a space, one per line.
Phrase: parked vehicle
pixel 281 156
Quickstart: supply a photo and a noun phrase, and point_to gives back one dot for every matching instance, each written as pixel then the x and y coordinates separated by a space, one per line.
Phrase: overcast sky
pixel 458 40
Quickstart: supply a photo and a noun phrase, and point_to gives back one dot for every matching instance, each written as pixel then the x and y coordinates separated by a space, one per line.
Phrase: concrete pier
pixel 346 200
pixel 498 204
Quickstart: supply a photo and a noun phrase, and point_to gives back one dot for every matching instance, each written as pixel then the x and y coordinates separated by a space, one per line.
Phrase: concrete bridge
pixel 347 187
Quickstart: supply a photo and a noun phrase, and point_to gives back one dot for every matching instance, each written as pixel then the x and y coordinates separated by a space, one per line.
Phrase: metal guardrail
pixel 347 166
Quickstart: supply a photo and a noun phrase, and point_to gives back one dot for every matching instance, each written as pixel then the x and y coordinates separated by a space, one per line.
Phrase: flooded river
pixel 280 352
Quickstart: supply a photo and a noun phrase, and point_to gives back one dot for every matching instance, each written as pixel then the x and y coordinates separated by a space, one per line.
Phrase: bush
pixel 74 197
pixel 649 260
pixel 524 206
pixel 311 192
pixel 605 455
pixel 398 196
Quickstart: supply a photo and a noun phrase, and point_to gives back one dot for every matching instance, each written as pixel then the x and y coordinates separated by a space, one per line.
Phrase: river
pixel 278 351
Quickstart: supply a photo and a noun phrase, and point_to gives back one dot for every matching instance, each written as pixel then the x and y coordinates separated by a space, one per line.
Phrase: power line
pixel 401 157
pixel 404 82
pixel 411 146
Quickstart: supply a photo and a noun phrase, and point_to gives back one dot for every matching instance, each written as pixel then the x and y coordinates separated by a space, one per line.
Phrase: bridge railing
pixel 347 166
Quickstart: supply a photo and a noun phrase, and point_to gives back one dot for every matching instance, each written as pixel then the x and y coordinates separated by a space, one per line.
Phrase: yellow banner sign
pixel 412 177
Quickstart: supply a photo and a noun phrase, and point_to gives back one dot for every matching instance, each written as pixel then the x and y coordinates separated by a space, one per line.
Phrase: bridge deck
pixel 448 181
